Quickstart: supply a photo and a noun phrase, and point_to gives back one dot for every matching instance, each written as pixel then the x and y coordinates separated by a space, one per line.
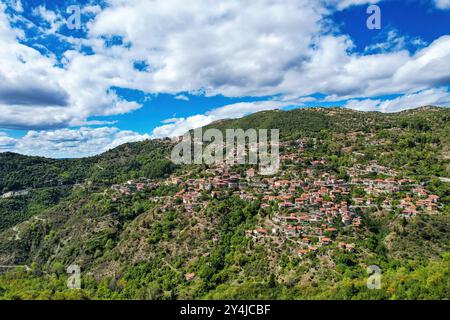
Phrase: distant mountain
pixel 148 158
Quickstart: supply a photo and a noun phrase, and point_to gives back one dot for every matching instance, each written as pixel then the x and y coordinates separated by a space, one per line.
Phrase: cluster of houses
pixel 307 208
pixel 307 212
pixel 131 186
pixel 311 217
pixel 373 167
pixel 420 200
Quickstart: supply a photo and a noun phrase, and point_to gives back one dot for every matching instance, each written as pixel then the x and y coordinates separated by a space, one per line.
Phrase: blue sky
pixel 135 70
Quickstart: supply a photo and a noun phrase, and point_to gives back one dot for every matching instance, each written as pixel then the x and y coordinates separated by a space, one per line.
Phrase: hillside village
pixel 307 211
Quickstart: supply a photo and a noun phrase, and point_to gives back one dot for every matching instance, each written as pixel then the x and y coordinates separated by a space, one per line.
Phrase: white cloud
pixel 260 57
pixel 429 67
pixel 54 19
pixel 125 136
pixel 182 97
pixel 442 4
pixel 91 9
pixel 178 126
pixel 395 42
pixel 73 143
pixel 36 94
pixel 225 49
pixel 438 97
pixel 17 5
pixel 264 48
pixel 241 109
pixel 343 4
pixel 285 53
pixel 6 142
pixel 335 72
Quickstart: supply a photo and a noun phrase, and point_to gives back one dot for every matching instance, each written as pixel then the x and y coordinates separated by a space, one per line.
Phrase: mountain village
pixel 306 210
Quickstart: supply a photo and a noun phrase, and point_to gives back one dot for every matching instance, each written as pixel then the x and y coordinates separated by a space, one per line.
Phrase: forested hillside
pixel 355 189
pixel 149 158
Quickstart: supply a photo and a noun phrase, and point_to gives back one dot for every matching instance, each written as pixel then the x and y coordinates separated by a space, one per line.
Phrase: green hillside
pixel 149 158
pixel 141 228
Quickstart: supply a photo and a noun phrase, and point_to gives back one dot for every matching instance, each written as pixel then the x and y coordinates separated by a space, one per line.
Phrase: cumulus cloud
pixel 241 109
pixel 260 57
pixel 438 97
pixel 344 4
pixel 23 90
pixel 184 56
pixel 223 48
pixel 54 20
pixel 59 97
pixel 442 4
pixel 69 143
pixel 178 126
pixel 17 5
pixel 429 67
pixel 394 41
pixel 182 97
pixel 266 48
pixel 338 74
pixel 6 142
